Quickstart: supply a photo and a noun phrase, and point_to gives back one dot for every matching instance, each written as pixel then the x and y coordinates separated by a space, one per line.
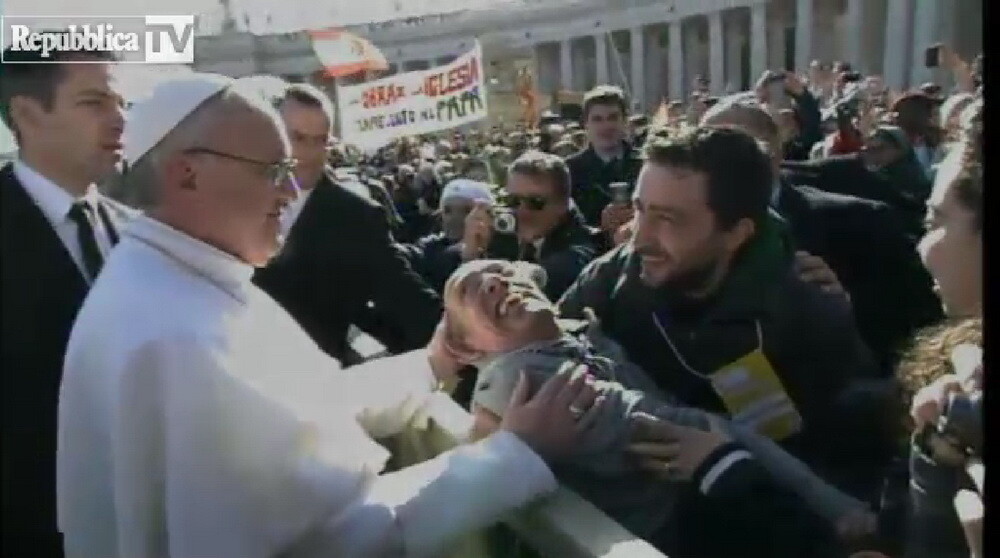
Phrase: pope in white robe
pixel 197 419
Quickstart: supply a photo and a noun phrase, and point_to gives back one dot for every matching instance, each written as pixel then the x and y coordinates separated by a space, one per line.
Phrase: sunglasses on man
pixel 533 203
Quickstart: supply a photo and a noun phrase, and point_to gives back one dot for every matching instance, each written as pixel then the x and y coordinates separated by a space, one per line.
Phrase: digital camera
pixel 504 221
pixel 958 433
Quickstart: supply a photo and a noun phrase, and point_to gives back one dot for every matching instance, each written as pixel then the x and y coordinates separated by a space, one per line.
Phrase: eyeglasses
pixel 278 172
pixel 534 203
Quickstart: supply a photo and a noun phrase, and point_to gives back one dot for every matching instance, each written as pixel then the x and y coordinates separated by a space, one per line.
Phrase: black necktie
pixel 82 214
pixel 530 253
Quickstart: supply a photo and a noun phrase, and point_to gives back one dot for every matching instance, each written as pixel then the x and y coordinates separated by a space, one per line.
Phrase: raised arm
pixel 400 295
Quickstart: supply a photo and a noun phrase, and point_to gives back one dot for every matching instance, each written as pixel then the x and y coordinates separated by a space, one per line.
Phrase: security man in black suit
pixel 608 158
pixel 339 265
pixel 55 232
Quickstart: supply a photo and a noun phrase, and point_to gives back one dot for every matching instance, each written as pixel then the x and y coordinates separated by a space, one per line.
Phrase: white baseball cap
pixel 150 119
pixel 464 188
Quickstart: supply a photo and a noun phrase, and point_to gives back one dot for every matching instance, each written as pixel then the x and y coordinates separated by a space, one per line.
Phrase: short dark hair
pixel 604 95
pixel 27 74
pixel 538 164
pixel 740 178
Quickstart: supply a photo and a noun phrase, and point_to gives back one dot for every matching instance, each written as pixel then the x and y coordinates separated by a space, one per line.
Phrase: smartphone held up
pixel 932 56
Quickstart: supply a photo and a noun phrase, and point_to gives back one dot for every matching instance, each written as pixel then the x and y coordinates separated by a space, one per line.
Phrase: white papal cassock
pixel 197 419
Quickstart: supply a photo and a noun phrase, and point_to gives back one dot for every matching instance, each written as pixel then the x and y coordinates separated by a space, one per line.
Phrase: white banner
pixel 373 114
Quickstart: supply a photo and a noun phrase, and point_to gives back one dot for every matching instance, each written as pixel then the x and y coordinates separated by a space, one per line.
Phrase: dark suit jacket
pixel 567 249
pixel 42 292
pixel 864 243
pixel 590 177
pixel 434 257
pixel 847 175
pixel 338 257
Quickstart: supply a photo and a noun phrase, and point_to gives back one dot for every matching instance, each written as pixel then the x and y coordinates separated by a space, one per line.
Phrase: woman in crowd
pixel 945 449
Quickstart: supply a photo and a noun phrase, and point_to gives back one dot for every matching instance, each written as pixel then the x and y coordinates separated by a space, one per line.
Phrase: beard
pixel 694 279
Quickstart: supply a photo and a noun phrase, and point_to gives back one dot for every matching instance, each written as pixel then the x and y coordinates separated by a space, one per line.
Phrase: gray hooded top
pixel 601 470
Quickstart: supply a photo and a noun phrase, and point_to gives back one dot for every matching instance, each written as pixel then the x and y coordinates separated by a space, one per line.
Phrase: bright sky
pixel 286 15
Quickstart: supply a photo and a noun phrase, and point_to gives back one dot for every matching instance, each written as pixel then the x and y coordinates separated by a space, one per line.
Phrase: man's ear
pixel 25 113
pixel 740 234
pixel 177 170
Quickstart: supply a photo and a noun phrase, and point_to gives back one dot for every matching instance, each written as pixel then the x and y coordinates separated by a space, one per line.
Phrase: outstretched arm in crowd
pixel 807 108
pixel 785 470
pixel 400 296
pixel 964 73
pixel 433 264
pixel 563 268
pixel 592 289
pixel 742 511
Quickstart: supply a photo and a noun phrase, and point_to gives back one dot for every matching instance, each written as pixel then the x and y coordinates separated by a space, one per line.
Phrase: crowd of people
pixel 741 326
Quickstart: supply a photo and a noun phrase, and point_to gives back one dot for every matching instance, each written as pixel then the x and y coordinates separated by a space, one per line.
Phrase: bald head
pixel 747 114
pixel 750 116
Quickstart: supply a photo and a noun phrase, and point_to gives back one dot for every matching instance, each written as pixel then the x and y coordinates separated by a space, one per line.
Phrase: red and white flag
pixel 342 53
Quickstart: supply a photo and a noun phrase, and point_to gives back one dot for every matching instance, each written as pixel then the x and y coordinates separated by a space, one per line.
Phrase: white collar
pixel 775 193
pixel 290 215
pixel 225 271
pixel 54 201
pixel 608 157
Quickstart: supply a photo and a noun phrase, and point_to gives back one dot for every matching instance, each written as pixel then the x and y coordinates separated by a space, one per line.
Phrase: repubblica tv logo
pixel 153 39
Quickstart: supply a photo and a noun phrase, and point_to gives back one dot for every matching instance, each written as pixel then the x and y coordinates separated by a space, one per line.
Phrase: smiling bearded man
pixel 497 310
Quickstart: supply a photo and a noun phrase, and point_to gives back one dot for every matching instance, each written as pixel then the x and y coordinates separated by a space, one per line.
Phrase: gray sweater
pixel 601 470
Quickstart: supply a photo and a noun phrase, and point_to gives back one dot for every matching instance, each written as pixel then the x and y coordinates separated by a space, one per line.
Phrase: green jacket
pixel 758 267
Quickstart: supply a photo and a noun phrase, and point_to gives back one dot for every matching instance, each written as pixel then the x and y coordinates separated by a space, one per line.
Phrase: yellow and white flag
pixel 342 53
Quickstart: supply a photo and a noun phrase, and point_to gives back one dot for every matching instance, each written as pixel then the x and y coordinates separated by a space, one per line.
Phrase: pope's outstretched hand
pixel 552 421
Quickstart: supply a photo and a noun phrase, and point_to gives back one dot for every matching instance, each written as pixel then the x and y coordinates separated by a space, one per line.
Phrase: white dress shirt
pixel 197 418
pixel 293 210
pixel 925 156
pixel 610 156
pixel 55 203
